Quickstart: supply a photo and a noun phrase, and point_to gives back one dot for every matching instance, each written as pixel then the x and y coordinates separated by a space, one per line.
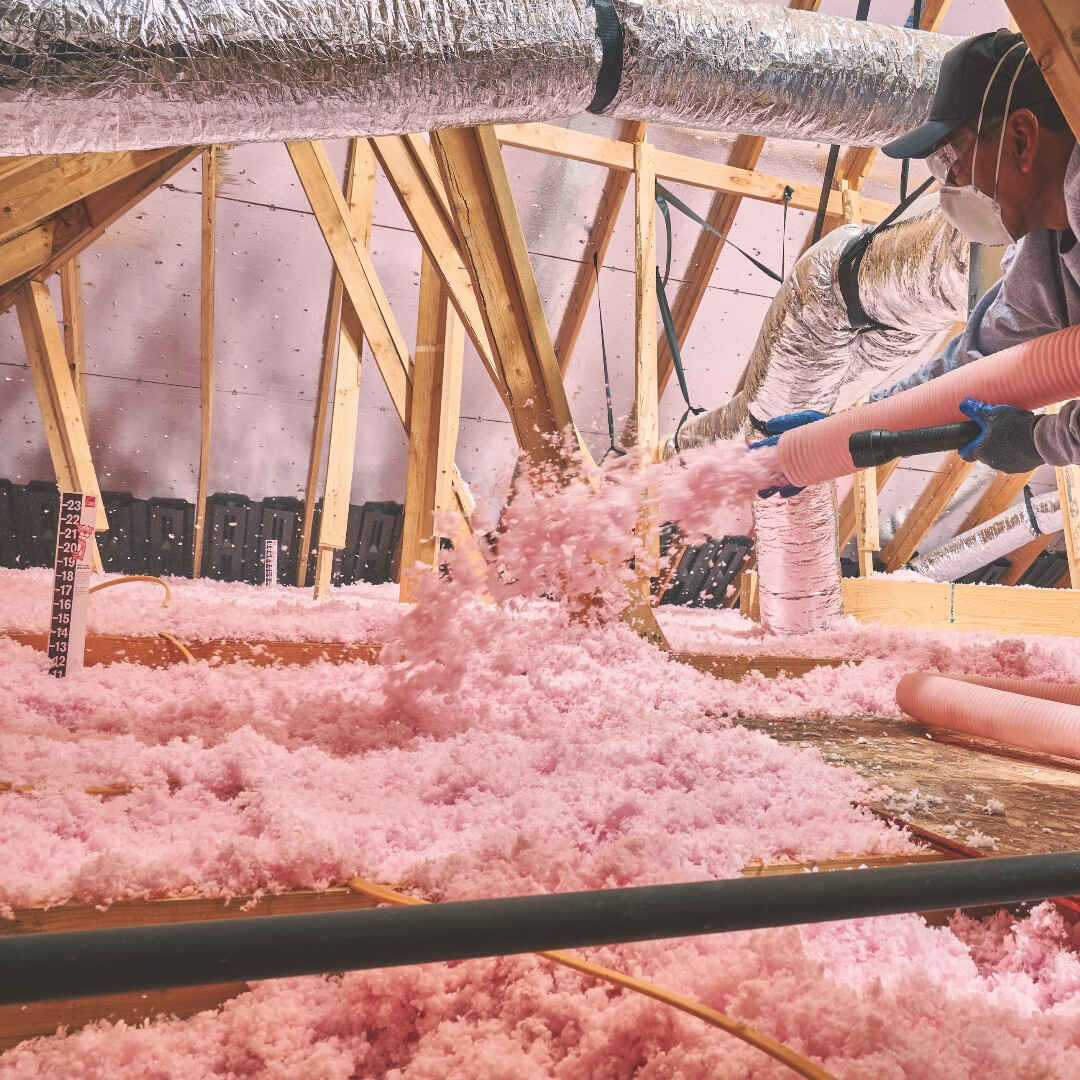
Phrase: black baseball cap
pixel 965 72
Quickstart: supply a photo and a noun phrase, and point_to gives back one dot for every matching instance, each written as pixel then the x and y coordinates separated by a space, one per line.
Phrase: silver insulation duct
pixel 768 70
pixel 1000 536
pixel 96 75
pixel 914 276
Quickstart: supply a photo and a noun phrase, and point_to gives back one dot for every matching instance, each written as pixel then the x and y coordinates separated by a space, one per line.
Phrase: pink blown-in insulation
pixel 1037 373
pixel 499 749
pixel 1028 713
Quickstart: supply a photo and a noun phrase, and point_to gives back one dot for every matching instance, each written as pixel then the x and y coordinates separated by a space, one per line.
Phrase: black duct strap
pixel 1033 521
pixel 609 31
pixel 851 258
pixel 612 448
pixel 676 357
pixel 663 197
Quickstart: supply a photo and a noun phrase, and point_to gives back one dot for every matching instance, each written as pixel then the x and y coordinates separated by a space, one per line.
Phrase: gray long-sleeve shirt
pixel 1039 292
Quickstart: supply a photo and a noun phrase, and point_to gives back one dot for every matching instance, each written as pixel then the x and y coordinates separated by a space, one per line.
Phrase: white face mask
pixel 971 211
pixel 975 214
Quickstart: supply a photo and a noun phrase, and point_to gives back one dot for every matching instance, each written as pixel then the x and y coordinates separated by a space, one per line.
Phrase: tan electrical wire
pixel 133 577
pixel 770 1046
pixel 184 650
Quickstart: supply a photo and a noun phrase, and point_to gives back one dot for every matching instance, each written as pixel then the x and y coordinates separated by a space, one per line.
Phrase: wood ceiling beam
pixel 77 226
pixel 207 273
pixel 846 522
pixel 927 509
pixel 42 186
pixel 1052 30
pixel 368 312
pixel 409 166
pixel 71 299
pixel 434 414
pixel 61 416
pixel 711 175
pixel 607 214
pixel 996 499
pixel 493 245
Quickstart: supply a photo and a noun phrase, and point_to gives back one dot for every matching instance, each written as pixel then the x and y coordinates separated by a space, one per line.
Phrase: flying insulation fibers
pixel 857 302
pixel 102 75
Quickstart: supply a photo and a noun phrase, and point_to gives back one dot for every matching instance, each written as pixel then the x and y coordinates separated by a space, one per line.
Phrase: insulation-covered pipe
pixel 994 539
pixel 856 303
pixel 96 962
pixel 97 75
pixel 1026 713
pixel 1030 375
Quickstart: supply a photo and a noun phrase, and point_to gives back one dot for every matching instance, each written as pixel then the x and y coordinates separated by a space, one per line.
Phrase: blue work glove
pixel 1006 440
pixel 776 427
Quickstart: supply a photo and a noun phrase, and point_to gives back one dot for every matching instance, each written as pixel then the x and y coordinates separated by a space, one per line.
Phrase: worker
pixel 1009 169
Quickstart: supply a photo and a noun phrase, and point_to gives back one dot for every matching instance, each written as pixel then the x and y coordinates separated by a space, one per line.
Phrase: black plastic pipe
pixel 35 967
pixel 877 446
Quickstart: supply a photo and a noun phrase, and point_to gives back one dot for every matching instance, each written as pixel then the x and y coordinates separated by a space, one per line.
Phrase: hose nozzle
pixel 876 447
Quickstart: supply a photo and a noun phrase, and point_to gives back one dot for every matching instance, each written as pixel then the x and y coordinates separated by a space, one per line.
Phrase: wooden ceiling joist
pixel 409 166
pixel 711 175
pixel 493 244
pixel 434 414
pixel 607 214
pixel 368 311
pixel 927 509
pixel 1052 30
pixel 359 199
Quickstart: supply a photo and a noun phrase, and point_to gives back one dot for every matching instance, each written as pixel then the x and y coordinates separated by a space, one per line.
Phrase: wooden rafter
pixel 927 509
pixel 78 225
pixel 74 330
pixel 1002 492
pixel 369 310
pixel 498 262
pixel 57 399
pixel 710 175
pixel 607 214
pixel 721 216
pixel 359 201
pixel 41 186
pixel 846 523
pixel 434 412
pixel 208 262
pixel 1052 30
pixel 409 166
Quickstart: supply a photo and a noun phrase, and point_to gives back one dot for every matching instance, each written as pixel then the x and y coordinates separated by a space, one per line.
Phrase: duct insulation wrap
pixel 993 539
pixel 102 75
pixel 762 69
pixel 81 75
pixel 913 279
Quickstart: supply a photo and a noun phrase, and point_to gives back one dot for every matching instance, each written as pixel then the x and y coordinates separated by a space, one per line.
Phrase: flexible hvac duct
pixel 1030 714
pixel 835 319
pixel 82 75
pixel 993 539
pixel 1030 375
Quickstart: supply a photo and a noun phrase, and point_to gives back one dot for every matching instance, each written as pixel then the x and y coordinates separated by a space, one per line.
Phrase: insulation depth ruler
pixel 71 577
pixel 270 554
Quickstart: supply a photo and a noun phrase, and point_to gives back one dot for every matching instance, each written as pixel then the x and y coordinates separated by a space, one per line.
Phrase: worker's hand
pixel 1007 437
pixel 776 427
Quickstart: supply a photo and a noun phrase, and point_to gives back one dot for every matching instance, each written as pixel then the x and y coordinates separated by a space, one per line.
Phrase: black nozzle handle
pixel 876 447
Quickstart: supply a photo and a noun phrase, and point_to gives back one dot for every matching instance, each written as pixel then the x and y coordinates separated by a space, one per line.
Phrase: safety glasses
pixel 943 160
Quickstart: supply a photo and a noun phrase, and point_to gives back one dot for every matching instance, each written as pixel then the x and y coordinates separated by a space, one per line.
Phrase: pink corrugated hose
pixel 1026 713
pixel 1035 716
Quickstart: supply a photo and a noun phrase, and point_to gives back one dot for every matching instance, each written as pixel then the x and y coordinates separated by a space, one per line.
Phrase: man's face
pixel 953 159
